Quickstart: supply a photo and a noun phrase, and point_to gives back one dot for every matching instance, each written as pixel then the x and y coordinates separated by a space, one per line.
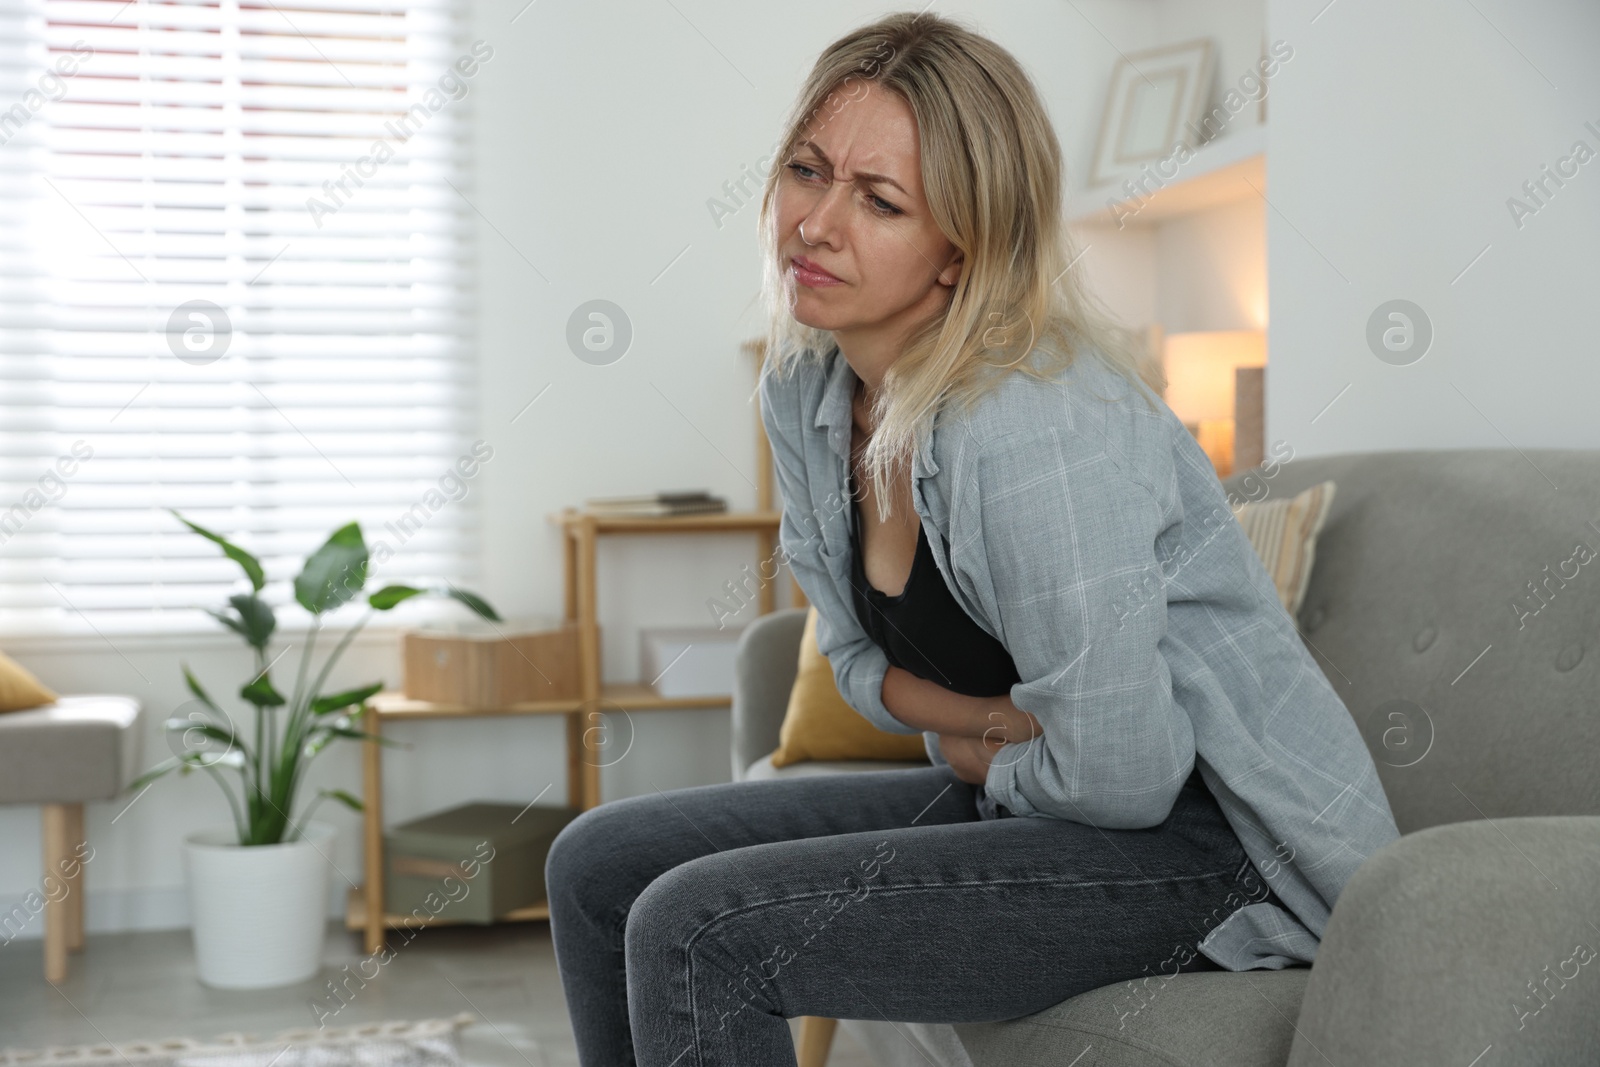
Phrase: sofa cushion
pixel 79 748
pixel 819 725
pixel 1196 1019
pixel 763 768
pixel 1284 534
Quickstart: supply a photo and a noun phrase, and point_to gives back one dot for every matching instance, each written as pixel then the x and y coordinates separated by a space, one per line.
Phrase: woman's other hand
pixel 970 756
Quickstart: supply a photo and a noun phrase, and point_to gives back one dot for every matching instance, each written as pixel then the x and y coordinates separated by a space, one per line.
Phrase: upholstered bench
pixel 60 755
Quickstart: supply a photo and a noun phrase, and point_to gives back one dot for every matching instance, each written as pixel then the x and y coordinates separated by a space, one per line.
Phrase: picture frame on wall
pixel 1153 105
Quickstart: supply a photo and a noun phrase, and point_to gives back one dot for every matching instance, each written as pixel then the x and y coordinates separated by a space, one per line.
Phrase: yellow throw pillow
pixel 19 689
pixel 1284 534
pixel 819 725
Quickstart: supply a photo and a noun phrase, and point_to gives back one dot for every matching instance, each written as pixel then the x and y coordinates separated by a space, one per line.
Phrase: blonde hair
pixel 992 172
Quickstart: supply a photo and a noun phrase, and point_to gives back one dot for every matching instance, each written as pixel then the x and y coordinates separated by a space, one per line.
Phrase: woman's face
pixel 854 183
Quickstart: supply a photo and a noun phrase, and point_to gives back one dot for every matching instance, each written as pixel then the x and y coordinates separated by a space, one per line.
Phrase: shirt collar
pixel 834 415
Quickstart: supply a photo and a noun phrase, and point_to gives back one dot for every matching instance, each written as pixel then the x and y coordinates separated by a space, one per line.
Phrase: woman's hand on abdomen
pixel 930 706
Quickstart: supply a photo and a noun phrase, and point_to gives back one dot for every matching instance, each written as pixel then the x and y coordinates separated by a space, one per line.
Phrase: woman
pixel 1013 547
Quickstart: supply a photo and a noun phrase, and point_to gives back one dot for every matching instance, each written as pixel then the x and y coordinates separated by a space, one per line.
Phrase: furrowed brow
pixel 878 179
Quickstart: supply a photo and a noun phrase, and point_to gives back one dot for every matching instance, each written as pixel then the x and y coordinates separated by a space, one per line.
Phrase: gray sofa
pixel 1453 610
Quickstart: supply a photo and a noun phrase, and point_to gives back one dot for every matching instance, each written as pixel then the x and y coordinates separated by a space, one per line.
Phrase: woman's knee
pixel 664 912
pixel 686 906
pixel 588 862
pixel 697 921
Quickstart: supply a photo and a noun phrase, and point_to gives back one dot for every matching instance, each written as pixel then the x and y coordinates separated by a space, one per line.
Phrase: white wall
pixel 1211 269
pixel 1397 134
pixel 1206 270
pixel 602 131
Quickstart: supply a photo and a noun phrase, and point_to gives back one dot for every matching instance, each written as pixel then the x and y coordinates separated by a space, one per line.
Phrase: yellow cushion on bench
pixel 19 689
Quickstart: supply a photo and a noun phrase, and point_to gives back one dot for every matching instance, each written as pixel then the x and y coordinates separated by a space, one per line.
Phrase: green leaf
pixel 321 736
pixel 352 735
pixel 333 573
pixel 189 761
pixel 261 693
pixel 164 767
pixel 348 800
pixel 230 621
pixel 390 595
pixel 204 697
pixel 257 617
pixel 475 602
pixel 207 729
pixel 340 701
pixel 251 565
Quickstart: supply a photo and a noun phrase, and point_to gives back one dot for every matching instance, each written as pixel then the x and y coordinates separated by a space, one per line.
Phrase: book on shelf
pixel 655 505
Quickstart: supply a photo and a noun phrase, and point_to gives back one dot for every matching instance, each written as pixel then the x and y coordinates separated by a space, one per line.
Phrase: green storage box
pixel 470 864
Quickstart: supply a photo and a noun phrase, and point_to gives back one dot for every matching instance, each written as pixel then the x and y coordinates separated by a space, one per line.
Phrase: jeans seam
pixel 689 943
pixel 751 906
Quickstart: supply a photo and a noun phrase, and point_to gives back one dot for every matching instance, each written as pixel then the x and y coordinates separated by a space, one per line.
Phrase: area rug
pixel 423 1043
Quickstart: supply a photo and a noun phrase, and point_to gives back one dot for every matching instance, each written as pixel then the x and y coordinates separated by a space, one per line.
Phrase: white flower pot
pixel 259 912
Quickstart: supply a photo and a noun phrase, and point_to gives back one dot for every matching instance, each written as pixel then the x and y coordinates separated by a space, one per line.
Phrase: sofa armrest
pixel 765 662
pixel 1458 938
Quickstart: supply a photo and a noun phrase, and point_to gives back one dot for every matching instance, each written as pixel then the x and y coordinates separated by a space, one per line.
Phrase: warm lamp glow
pixel 1200 368
pixel 1258 308
pixel 1201 383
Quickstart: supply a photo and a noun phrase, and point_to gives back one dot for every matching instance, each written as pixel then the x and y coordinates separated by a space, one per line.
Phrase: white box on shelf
pixel 688 661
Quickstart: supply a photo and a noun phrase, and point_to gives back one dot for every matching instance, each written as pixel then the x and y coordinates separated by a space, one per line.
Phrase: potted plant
pixel 258 890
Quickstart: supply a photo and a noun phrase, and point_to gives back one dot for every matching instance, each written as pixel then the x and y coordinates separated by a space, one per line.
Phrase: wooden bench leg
pixel 57 848
pixel 75 842
pixel 816 1040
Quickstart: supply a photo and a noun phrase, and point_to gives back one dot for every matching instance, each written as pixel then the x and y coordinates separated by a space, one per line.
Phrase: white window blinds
pixel 234 281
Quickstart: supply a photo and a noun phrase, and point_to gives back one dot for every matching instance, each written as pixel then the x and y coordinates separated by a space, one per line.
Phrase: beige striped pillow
pixel 1284 535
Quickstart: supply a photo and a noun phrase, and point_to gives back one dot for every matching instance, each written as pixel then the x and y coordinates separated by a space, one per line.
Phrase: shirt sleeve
pixel 858 663
pixel 1065 535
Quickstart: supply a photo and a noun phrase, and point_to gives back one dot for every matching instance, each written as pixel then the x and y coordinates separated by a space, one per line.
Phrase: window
pixel 234 281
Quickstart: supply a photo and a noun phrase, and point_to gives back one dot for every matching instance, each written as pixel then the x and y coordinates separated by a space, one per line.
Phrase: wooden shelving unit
pixel 580 534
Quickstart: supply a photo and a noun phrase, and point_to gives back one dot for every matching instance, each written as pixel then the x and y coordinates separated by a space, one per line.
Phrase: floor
pixel 142 986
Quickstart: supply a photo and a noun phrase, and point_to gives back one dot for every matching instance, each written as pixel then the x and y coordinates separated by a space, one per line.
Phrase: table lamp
pixel 1200 368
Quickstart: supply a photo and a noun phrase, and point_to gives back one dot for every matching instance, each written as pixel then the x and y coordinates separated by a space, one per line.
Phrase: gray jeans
pixel 689 924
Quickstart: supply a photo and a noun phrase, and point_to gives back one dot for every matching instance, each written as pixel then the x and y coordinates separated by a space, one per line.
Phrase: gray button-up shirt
pixel 1088 532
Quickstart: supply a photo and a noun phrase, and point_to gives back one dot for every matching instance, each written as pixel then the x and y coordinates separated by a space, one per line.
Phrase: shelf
pixel 355 914
pixel 719 522
pixel 396 707
pixel 643 698
pixel 1224 171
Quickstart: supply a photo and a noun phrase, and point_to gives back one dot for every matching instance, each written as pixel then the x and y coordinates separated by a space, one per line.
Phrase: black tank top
pixel 924 630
